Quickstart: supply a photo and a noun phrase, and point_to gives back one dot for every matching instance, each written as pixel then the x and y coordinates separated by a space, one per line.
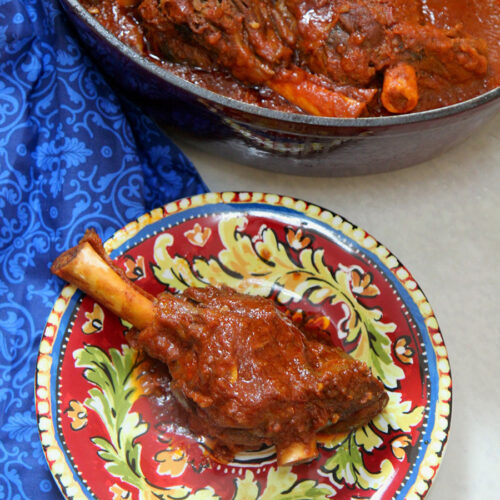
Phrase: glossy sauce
pixel 245 375
pixel 474 18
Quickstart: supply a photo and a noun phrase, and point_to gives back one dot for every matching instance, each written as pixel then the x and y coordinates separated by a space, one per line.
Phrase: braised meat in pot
pixel 344 58
pixel 265 42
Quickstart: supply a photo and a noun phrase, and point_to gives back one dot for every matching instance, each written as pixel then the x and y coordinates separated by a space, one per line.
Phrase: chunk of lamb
pixel 249 376
pixel 245 374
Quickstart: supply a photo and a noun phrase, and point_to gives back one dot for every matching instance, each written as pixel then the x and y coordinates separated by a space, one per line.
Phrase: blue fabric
pixel 72 154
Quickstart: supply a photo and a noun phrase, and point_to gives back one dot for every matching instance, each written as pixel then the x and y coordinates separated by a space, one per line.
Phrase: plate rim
pixel 439 434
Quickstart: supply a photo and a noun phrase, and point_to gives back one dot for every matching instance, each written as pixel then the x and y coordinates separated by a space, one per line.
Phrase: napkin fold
pixel 73 154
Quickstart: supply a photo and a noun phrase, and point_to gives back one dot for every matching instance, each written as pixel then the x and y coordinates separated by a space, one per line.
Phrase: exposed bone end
pixel 301 89
pixel 88 267
pixel 400 89
pixel 85 267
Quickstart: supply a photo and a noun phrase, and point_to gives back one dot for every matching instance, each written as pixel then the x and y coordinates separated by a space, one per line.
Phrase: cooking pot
pixel 275 140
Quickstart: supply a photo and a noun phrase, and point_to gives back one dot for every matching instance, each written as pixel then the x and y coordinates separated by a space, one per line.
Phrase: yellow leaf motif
pixel 126 324
pixel 281 483
pixel 367 438
pixel 174 272
pixel 347 465
pixel 172 462
pixel 398 415
pixel 364 437
pixel 95 320
pixel 247 488
pixel 371 481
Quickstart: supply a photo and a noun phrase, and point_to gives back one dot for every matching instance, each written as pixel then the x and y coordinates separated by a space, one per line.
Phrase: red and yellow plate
pixel 100 435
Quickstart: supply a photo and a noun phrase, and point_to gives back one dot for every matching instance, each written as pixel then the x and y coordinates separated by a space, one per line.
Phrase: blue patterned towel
pixel 72 154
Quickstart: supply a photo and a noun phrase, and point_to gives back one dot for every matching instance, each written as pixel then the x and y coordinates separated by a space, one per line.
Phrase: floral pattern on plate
pixel 100 433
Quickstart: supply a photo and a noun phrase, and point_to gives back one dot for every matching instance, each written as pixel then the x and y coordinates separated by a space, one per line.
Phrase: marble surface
pixel 442 220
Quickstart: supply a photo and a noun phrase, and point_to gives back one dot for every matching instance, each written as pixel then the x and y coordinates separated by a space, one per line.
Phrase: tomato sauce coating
pixel 330 58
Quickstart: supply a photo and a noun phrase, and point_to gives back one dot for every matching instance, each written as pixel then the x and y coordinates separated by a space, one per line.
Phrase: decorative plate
pixel 99 432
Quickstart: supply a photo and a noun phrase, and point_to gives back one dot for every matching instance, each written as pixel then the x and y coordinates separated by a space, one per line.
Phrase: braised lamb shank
pixel 243 371
pixel 325 56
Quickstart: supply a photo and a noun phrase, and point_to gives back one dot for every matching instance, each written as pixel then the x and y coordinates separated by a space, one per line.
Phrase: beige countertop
pixel 442 220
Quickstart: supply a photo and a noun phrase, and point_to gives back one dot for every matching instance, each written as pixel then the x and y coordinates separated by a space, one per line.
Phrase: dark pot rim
pixel 252 109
